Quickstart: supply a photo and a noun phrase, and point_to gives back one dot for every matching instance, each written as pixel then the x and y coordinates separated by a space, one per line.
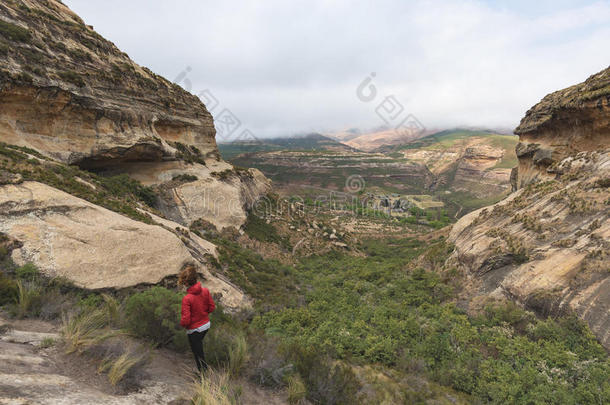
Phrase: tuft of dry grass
pixel 238 355
pixel 86 329
pixel 296 390
pixel 112 308
pixel 212 388
pixel 118 367
pixel 25 298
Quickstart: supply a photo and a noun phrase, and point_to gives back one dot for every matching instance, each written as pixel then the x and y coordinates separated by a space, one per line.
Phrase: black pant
pixel 196 342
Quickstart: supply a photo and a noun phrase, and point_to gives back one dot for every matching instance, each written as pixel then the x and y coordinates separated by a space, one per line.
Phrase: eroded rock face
pixel 470 165
pixel 75 97
pixel 215 192
pixel 564 123
pixel 67 92
pixel 547 244
pixel 476 171
pixel 97 248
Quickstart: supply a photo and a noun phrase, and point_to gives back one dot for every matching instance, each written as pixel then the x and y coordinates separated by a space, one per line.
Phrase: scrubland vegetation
pixel 117 193
pixel 319 324
pixel 338 328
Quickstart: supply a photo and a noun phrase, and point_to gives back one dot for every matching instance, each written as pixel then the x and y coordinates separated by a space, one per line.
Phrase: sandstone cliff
pixel 75 97
pixel 563 123
pixel 547 244
pixel 474 162
pixel 70 97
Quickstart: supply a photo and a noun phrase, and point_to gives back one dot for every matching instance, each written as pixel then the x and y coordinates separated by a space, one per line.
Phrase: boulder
pixel 97 248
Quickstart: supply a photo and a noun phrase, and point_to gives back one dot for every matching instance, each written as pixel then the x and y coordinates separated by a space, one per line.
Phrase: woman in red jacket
pixel 197 304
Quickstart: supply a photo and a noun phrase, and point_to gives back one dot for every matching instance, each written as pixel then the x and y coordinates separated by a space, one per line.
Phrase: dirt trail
pixel 33 374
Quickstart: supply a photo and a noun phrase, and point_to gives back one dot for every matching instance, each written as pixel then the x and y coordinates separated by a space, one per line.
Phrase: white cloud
pixel 285 67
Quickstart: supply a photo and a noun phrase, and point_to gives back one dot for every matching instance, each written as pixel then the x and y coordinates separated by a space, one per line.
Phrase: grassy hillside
pixel 445 140
pixel 117 193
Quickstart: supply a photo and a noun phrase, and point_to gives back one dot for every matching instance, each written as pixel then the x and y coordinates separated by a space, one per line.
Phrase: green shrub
pixel 217 345
pixel 90 302
pixel 264 279
pixel 63 285
pixel 14 32
pixel 8 290
pixel 186 178
pixel 190 154
pixel 258 228
pixel 268 364
pixel 72 77
pixel 369 308
pixel 327 383
pixel 224 175
pixel 124 186
pixel 28 272
pixel 204 227
pixel 154 314
pixel 28 300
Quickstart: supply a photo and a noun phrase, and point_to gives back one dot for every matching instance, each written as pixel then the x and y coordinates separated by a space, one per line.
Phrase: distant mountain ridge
pixel 314 141
pixel 385 137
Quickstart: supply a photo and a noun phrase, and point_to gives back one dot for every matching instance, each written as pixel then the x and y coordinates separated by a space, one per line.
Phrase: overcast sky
pixel 285 67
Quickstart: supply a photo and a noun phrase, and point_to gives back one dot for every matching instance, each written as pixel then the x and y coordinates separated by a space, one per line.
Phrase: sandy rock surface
pixel 95 247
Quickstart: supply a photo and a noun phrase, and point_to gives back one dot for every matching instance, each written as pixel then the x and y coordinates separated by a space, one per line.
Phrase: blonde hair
pixel 187 276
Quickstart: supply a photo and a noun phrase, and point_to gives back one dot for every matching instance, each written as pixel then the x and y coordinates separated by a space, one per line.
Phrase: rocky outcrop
pixel 546 245
pixel 475 163
pixel 218 196
pixel 564 123
pixel 75 97
pixel 97 248
pixel 67 92
pixel 477 173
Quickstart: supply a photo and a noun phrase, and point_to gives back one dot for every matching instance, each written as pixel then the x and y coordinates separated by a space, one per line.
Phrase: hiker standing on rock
pixel 197 304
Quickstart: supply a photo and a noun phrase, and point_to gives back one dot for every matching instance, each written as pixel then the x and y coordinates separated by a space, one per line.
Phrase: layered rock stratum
pixel 546 245
pixel 474 162
pixel 70 94
pixel 565 122
pixel 74 96
pixel 70 97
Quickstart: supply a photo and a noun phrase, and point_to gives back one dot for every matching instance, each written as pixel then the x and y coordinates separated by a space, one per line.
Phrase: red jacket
pixel 197 304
